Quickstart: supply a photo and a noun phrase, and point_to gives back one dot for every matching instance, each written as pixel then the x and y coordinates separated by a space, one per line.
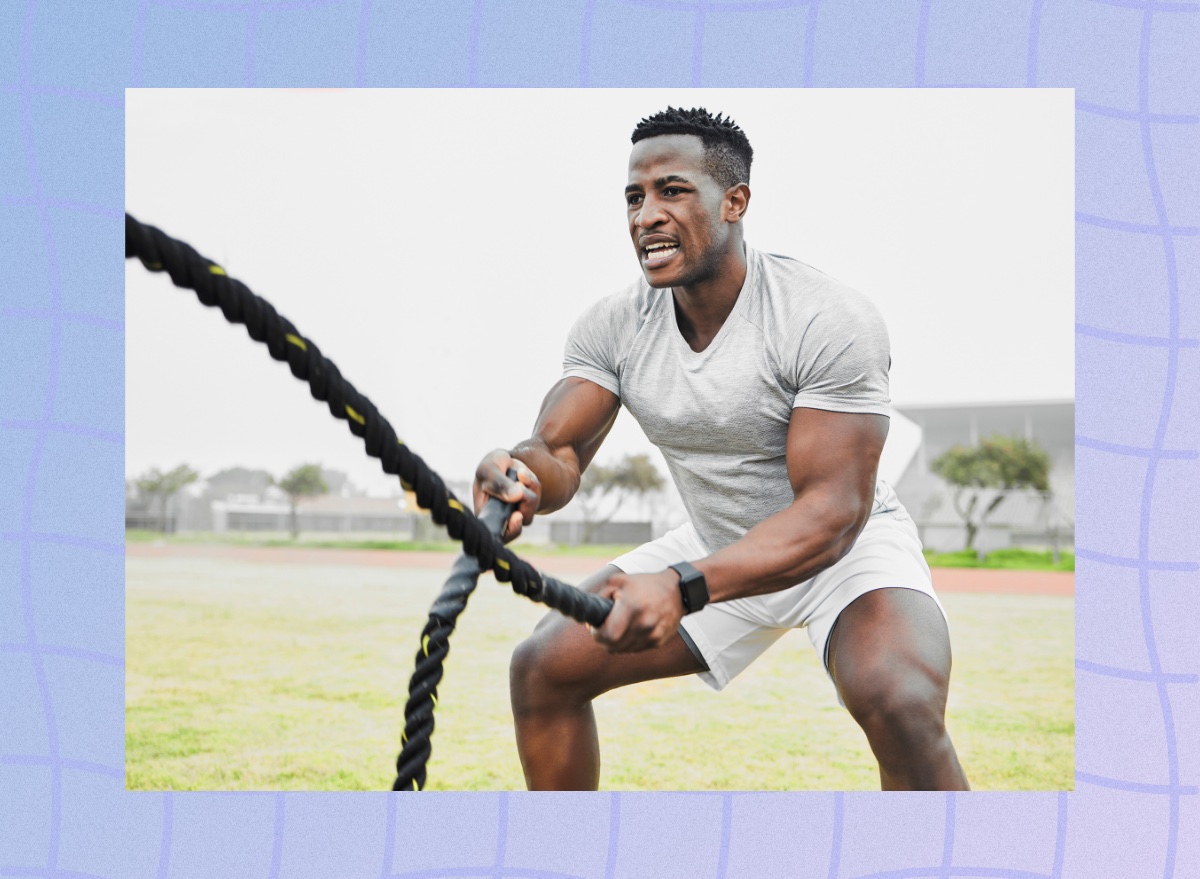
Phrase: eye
pixel 672 190
pixel 633 199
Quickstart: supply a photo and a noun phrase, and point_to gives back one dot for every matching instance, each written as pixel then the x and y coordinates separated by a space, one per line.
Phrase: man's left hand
pixel 646 611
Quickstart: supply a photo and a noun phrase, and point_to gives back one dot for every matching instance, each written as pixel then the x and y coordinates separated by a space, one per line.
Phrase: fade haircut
pixel 727 152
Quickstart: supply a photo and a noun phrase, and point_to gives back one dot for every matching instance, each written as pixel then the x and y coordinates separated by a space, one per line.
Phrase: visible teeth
pixel 661 249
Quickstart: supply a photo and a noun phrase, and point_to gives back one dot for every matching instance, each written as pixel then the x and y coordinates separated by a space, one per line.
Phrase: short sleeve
pixel 842 358
pixel 589 352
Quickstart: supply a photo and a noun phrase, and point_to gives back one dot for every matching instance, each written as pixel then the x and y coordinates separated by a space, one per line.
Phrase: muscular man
pixel 764 383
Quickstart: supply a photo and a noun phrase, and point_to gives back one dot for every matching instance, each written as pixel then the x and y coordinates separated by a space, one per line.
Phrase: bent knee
pixel 543 673
pixel 909 708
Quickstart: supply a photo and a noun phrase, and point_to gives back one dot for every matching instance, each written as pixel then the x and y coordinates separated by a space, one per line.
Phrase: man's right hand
pixel 525 492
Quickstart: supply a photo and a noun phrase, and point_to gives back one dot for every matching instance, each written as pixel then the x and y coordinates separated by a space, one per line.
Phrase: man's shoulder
pixel 789 275
pixel 792 288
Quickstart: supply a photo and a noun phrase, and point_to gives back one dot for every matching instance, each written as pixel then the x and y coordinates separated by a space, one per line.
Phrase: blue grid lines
pixel 1150 6
pixel 1135 339
pixel 1137 115
pixel 80 430
pixel 614 829
pixel 24 538
pixel 117 772
pixel 107 94
pixel 277 843
pixel 501 836
pixel 32 537
pixel 1031 56
pixel 516 872
pixel 164 848
pixel 1139 563
pixel 839 816
pixel 1130 674
pixel 65 204
pixel 702 6
pixel 91 97
pixel 1136 451
pixel 1139 228
pixel 252 6
pixel 938 873
pixel 69 652
pixel 1136 787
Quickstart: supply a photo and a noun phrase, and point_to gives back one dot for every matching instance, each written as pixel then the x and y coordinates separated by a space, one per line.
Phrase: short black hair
pixel 727 150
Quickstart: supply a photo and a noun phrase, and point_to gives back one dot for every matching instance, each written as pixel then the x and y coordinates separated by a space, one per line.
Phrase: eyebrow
pixel 659 182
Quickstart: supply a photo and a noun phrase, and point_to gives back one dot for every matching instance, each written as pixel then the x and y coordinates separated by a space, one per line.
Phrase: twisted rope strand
pixel 435 644
pixel 159 252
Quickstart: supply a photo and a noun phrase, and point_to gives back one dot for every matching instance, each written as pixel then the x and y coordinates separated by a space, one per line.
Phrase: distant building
pixel 1024 519
pixel 242 499
pixel 395 517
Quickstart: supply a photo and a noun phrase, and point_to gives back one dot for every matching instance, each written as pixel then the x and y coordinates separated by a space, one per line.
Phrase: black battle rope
pixel 435 644
pixel 159 252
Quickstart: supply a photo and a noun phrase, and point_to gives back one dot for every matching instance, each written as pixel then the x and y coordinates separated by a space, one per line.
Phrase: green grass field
pixel 252 676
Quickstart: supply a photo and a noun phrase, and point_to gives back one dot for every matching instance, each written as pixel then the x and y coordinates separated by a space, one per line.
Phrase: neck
pixel 701 308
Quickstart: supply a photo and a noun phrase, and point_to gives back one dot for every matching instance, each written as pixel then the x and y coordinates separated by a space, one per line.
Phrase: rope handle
pixel 159 252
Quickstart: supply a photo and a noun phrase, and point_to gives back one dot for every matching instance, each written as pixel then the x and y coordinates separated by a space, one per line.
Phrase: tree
pixel 164 486
pixel 302 481
pixel 981 476
pixel 632 476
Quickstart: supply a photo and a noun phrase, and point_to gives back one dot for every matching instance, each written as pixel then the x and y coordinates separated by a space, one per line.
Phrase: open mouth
pixel 659 254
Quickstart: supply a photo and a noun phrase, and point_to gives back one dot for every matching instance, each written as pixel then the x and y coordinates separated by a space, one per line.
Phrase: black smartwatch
pixel 692 587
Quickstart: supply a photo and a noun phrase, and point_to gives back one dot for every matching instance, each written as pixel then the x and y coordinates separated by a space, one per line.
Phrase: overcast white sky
pixel 438 244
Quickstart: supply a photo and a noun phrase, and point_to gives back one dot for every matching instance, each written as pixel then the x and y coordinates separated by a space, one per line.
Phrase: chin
pixel 663 280
pixel 657 284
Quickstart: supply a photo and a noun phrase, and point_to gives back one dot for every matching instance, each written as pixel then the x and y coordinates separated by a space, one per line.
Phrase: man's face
pixel 675 211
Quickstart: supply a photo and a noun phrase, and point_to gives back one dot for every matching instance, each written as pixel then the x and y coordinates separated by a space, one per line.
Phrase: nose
pixel 649 215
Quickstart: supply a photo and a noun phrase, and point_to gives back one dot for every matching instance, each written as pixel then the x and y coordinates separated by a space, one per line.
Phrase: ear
pixel 737 200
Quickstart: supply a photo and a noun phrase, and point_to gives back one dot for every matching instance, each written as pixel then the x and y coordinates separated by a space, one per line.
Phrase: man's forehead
pixel 655 156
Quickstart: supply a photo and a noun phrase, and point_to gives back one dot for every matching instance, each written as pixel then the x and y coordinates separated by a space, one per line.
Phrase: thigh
pixel 566 654
pixel 886 555
pixel 890 639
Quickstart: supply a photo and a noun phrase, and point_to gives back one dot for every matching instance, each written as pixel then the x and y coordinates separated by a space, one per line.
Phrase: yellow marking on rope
pixel 425 644
pixel 297 341
pixel 433 696
pixel 217 270
pixel 154 266
pixel 355 415
pixel 502 563
pixel 403 737
pixel 455 504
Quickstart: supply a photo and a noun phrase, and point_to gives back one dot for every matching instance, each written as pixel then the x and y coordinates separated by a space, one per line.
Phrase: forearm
pixel 575 417
pixel 785 549
pixel 559 479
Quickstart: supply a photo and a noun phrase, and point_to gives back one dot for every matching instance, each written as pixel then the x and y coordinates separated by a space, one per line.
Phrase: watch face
pixel 695 590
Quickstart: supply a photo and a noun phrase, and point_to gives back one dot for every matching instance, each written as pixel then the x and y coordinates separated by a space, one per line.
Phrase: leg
pixel 889 655
pixel 555 675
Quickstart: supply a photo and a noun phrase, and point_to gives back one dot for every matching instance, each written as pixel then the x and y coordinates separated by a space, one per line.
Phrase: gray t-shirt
pixel 795 338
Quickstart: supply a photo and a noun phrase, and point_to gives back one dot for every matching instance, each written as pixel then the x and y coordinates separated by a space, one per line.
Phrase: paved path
pixel 944 579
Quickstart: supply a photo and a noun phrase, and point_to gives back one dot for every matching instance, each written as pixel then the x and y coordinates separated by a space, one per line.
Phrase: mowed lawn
pixel 266 676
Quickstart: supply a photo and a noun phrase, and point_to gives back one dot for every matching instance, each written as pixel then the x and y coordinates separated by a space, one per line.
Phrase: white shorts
pixel 732 634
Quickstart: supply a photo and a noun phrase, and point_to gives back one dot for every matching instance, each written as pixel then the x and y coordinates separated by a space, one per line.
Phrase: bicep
pixel 835 454
pixel 574 419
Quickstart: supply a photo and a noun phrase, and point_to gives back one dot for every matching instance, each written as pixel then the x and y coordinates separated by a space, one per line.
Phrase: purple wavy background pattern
pixel 63 70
